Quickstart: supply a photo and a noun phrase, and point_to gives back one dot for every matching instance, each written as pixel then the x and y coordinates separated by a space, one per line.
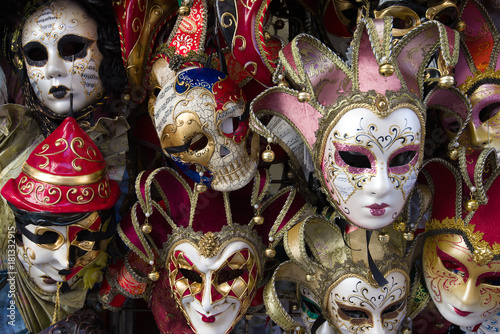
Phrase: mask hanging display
pixel 477 75
pixel 361 124
pixel 63 203
pixel 460 254
pixel 335 272
pixel 203 252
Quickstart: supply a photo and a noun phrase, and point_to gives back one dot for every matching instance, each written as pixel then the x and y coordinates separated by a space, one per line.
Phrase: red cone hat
pixel 66 173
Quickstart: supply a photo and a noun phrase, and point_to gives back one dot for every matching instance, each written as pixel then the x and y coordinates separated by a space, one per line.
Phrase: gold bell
pixel 384 238
pixel 310 278
pixel 283 83
pixel 268 154
pixel 471 205
pixel 304 96
pixel 399 226
pixel 270 252
pixel 258 220
pixel 184 10
pixel 279 24
pixel 201 187
pixel 405 330
pixel 461 26
pixel 446 81
pixel 146 228
pixel 295 308
pixel 154 275
pixel 408 236
pixel 386 70
pixel 453 154
pixel 267 36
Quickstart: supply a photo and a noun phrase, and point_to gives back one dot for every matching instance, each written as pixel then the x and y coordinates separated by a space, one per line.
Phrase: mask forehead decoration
pixel 478 76
pixel 461 254
pixel 62 202
pixel 213 244
pixel 60 51
pixel 362 122
pixel 200 114
pixel 339 278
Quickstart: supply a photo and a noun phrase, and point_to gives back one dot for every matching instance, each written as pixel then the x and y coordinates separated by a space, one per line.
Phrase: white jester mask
pixel 370 164
pixel 361 124
pixel 356 305
pixel 59 43
pixel 337 282
pixel 202 121
pixel 213 287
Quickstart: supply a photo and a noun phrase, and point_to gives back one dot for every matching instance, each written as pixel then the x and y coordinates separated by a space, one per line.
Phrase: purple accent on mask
pixel 358 149
pixel 462 70
pixel 404 169
pixel 450 100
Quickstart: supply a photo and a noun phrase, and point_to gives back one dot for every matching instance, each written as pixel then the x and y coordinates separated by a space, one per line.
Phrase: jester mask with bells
pixel 333 270
pixel 211 247
pixel 478 75
pixel 62 201
pixel 461 252
pixel 363 122
pixel 199 113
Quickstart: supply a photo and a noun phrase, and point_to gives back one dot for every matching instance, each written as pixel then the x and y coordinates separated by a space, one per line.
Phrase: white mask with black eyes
pixel 357 306
pixel 62 59
pixel 370 164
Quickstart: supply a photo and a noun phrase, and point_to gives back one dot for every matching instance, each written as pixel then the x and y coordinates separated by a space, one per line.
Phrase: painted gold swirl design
pixel 46 200
pixel 91 153
pixel 104 190
pixel 45 155
pixel 87 195
pixel 25 187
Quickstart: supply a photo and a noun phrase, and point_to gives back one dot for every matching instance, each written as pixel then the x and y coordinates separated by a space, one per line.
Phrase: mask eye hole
pixel 489 112
pixel 49 239
pixel 489 279
pixel 391 310
pixel 35 54
pixel 402 159
pixel 230 124
pixel 452 265
pixel 449 122
pixel 355 159
pixel 191 275
pixel 353 313
pixel 447 16
pixel 70 46
pixel 229 275
pixel 156 91
pixel 198 142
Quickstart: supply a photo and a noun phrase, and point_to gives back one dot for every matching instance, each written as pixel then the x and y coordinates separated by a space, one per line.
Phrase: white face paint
pixel 355 306
pixel 43 262
pixel 60 50
pixel 370 164
pixel 214 292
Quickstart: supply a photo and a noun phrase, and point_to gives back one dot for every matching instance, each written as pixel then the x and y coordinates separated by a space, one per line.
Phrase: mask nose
pixel 55 67
pixel 379 184
pixel 469 294
pixel 479 136
pixel 61 257
pixel 211 297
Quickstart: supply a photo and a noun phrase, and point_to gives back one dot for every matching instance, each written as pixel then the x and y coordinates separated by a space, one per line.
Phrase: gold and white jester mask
pixel 213 287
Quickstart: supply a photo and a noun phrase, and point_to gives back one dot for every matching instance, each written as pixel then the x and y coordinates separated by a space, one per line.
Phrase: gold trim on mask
pixel 483 251
pixel 40 230
pixel 209 245
pixel 400 12
pixel 483 92
pixel 488 73
pixel 64 180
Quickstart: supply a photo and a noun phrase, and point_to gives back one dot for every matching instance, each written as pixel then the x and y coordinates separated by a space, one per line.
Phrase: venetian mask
pixel 409 14
pixel 465 291
pixel 310 311
pixel 371 164
pixel 202 121
pixel 213 290
pixel 56 253
pixel 361 123
pixel 356 305
pixel 59 43
pixel 337 282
